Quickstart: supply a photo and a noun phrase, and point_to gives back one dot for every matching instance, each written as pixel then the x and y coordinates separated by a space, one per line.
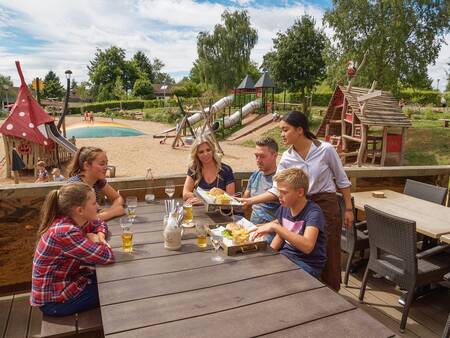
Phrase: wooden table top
pixel 432 219
pixel 445 238
pixel 155 292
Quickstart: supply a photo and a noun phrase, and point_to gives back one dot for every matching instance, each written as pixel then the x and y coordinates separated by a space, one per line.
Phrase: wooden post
pixel 402 149
pixel 363 145
pixel 349 87
pixel 8 149
pixel 343 127
pixel 16 177
pixel 384 148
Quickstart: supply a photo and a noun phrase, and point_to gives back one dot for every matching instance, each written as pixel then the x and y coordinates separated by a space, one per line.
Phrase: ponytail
pixel 49 212
pixel 84 154
pixel 60 203
pixel 299 120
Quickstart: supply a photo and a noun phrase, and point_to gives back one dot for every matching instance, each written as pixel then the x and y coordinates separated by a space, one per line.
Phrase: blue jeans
pixel 86 300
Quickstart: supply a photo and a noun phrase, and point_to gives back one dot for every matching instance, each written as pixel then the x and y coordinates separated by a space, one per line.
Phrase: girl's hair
pixel 297 120
pixel 84 154
pixel 60 202
pixel 195 164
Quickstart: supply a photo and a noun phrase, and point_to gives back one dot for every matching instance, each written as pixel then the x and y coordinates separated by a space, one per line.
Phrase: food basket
pixel 231 249
pixel 211 205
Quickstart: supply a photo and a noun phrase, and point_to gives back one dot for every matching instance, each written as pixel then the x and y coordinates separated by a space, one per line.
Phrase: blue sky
pixel 63 34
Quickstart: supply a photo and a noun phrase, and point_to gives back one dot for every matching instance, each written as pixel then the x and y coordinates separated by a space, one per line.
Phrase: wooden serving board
pixel 211 206
pixel 233 250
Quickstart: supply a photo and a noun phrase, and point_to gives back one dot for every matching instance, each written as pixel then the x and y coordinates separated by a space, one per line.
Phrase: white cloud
pixel 166 29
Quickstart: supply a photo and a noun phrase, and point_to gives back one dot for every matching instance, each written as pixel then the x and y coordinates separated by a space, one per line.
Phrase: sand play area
pixel 132 155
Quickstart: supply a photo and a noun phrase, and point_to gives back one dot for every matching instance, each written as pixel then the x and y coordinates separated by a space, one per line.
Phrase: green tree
pixel 164 78
pixel 187 88
pixel 224 55
pixel 143 89
pixel 402 37
pixel 119 91
pixel 296 61
pixel 5 88
pixel 52 86
pixel 104 70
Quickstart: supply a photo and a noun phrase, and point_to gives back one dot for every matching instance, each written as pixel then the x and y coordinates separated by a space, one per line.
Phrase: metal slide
pixel 54 135
pixel 237 115
pixel 219 105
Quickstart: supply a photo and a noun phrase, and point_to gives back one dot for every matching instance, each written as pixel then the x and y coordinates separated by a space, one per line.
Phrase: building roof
pixel 158 89
pixel 382 110
pixel 265 81
pixel 247 83
pixel 26 117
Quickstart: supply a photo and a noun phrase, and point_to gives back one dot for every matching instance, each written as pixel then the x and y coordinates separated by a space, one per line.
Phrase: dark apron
pixel 331 274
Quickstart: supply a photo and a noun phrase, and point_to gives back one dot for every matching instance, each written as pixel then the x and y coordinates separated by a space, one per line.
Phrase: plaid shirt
pixel 61 249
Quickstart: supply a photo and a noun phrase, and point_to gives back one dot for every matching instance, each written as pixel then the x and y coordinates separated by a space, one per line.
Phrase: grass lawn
pixel 427 142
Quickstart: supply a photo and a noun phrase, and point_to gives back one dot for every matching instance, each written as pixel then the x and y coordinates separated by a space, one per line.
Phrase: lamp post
pixel 66 103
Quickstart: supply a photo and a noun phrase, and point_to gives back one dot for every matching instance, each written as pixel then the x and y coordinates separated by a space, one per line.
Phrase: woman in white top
pixel 322 164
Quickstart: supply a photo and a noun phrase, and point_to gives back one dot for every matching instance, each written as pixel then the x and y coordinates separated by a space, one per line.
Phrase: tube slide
pixel 219 105
pixel 235 117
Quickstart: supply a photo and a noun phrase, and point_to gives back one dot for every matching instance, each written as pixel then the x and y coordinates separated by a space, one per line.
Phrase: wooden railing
pixel 23 201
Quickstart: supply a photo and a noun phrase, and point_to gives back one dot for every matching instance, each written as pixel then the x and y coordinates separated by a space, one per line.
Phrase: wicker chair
pixel 393 254
pixel 446 333
pixel 424 191
pixel 352 240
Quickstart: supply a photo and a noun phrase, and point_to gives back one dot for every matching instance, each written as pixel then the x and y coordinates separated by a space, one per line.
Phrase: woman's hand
pixel 246 202
pixel 194 201
pixel 348 218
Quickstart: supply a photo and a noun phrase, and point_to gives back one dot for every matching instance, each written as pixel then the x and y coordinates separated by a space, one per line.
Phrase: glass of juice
pixel 202 241
pixel 127 240
pixel 132 203
pixel 188 214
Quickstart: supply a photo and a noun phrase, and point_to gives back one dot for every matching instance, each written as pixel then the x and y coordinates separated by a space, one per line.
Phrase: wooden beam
pixel 402 151
pixel 348 137
pixel 363 145
pixel 368 96
pixel 349 87
pixel 383 150
pixel 6 142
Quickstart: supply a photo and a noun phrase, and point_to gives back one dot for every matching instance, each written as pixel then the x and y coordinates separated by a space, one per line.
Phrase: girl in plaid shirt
pixel 70 234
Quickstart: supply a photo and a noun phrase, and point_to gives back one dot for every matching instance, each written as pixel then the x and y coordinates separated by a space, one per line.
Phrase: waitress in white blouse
pixel 322 163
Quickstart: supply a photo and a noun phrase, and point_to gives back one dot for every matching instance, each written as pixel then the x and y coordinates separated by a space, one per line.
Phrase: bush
pixel 101 106
pixel 422 97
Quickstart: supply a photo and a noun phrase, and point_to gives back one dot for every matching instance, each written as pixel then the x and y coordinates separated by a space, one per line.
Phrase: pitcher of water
pixel 172 233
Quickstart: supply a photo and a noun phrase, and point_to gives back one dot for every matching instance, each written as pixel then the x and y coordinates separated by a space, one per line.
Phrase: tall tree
pixel 224 55
pixel 52 86
pixel 5 87
pixel 104 70
pixel 296 61
pixel 143 88
pixel 402 36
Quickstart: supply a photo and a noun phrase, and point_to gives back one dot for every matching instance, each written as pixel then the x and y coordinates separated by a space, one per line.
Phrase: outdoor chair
pixel 446 333
pixel 427 192
pixel 424 191
pixel 393 254
pixel 352 240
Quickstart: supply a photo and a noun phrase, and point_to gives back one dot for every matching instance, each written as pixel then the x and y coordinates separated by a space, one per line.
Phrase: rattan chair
pixel 352 240
pixel 424 191
pixel 393 254
pixel 446 333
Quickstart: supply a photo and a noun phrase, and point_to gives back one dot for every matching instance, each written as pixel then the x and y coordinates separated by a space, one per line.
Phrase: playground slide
pixel 54 134
pixel 219 105
pixel 237 115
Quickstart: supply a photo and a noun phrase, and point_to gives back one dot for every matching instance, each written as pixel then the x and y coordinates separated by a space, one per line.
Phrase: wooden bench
pixel 446 122
pixel 20 320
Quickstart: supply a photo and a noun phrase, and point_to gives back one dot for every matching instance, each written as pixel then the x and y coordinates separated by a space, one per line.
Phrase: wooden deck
pixel 427 316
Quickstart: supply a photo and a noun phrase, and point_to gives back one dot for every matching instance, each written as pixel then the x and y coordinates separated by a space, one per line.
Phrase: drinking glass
pixel 170 189
pixel 127 240
pixel 150 197
pixel 188 214
pixel 202 241
pixel 215 241
pixel 125 223
pixel 131 202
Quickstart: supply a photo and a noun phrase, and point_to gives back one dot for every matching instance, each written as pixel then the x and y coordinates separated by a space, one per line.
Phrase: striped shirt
pixel 98 186
pixel 57 275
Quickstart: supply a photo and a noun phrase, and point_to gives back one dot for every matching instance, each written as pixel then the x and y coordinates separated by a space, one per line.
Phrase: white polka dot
pixel 22 114
pixel 45 142
pixel 31 125
pixel 23 100
pixel 9 126
pixel 24 134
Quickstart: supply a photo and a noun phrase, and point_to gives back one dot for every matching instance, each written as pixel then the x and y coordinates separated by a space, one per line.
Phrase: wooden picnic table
pixel 155 292
pixel 445 238
pixel 431 219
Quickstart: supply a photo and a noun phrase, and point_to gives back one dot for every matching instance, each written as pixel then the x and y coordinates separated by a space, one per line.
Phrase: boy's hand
pixel 102 238
pixel 246 202
pixel 264 229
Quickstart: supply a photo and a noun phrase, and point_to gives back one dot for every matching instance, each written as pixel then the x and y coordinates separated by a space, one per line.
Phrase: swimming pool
pixel 101 129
